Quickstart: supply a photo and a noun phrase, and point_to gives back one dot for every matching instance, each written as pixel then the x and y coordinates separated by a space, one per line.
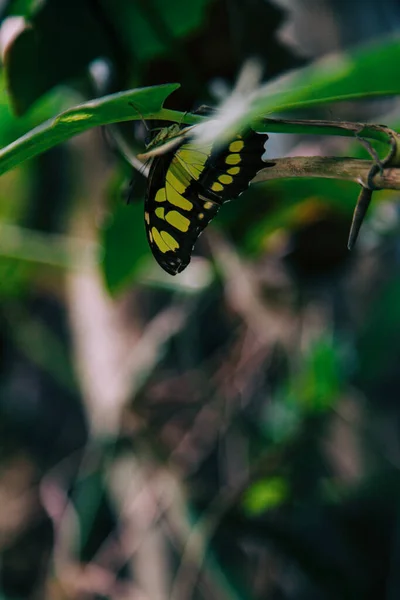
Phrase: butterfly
pixel 187 185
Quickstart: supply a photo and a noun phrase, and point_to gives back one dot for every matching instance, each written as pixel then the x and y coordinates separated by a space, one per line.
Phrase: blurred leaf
pixel 87 496
pixel 17 7
pixel 12 127
pixel 14 276
pixel 14 192
pixel 285 205
pixel 312 389
pixel 316 385
pixel 379 344
pixel 125 246
pixel 368 72
pixel 61 29
pixel 149 27
pixel 51 48
pixel 49 249
pixel 264 495
pixel 37 341
pixel 109 109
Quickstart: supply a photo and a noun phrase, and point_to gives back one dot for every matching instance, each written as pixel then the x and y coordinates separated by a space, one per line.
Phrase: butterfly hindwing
pixel 230 169
pixel 186 187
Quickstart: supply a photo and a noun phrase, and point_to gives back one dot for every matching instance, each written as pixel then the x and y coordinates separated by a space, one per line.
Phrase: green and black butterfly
pixel 187 185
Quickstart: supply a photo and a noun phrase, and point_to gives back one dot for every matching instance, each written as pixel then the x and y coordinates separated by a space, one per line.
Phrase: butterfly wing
pixel 230 169
pixel 187 185
pixel 175 214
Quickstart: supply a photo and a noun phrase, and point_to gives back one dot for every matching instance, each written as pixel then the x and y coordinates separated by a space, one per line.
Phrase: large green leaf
pixel 367 72
pixel 144 102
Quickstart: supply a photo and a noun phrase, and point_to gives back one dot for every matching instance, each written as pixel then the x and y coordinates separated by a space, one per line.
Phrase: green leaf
pixel 265 495
pixel 125 246
pixel 123 106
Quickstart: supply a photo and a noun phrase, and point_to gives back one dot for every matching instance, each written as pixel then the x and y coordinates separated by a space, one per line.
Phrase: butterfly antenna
pixel 143 170
pixel 120 146
pixel 140 115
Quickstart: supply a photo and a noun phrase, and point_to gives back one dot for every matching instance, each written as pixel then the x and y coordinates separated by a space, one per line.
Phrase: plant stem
pixel 348 169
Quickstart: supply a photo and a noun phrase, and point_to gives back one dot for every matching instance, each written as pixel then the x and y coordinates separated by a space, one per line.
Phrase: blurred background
pixel 229 433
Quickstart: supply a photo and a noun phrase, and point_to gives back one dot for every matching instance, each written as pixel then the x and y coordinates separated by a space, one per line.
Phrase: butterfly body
pixel 188 184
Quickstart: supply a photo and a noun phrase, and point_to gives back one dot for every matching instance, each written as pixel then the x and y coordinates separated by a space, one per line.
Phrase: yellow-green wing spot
pixel 174 218
pixel 169 240
pixel 225 179
pixel 162 246
pixel 178 170
pixel 161 195
pixel 236 146
pixel 233 159
pixel 164 241
pixel 177 199
pixel 177 183
pixel 233 171
pixel 160 212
